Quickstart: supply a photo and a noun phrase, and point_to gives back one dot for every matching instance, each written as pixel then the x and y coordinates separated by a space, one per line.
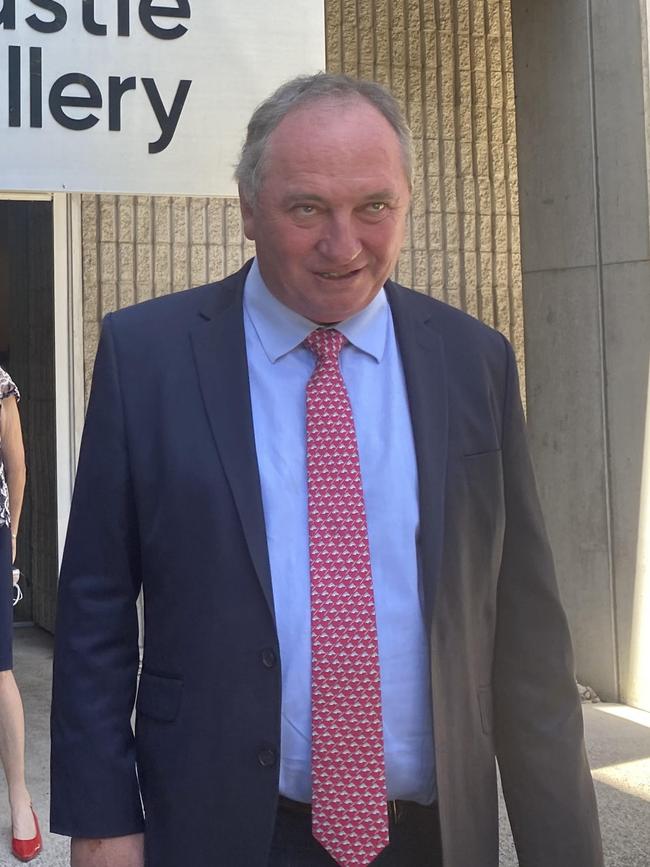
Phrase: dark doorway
pixel 27 353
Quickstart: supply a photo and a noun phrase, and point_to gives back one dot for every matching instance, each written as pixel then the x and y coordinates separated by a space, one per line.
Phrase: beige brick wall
pixel 450 64
pixel 139 247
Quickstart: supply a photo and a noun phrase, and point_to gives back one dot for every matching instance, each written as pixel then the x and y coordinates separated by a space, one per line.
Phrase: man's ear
pixel 247 214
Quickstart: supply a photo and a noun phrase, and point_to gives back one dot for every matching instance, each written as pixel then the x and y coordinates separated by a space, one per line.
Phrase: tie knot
pixel 326 344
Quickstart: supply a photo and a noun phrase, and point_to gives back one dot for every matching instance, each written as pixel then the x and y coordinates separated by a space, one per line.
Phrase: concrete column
pixel 581 84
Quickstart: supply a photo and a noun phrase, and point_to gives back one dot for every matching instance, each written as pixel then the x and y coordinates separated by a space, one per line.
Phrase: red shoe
pixel 26 850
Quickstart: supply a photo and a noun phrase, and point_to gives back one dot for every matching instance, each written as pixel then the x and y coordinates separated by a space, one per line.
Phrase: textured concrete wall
pixel 450 64
pixel 582 78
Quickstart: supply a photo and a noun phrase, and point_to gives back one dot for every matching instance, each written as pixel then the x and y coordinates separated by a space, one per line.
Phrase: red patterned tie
pixel 349 812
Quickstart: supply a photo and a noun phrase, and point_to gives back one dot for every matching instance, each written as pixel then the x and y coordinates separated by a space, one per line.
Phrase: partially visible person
pixel 26 838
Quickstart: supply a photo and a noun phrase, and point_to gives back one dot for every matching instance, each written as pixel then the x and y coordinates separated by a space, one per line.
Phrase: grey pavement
pixel 618 740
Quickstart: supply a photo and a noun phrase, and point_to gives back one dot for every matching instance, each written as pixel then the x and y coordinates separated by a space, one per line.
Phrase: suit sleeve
pixel 538 720
pixel 94 784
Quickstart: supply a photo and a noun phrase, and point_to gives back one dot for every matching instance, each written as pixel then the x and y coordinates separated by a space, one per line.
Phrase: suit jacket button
pixel 266 757
pixel 268 658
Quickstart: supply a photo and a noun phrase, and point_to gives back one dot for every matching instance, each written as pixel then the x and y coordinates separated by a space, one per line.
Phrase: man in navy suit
pixel 198 485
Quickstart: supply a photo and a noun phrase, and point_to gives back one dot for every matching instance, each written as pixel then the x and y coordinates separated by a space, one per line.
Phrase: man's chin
pixel 332 316
pixel 330 313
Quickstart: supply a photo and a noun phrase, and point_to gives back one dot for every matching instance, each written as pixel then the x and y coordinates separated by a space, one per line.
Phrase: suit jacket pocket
pixel 159 697
pixel 485 453
pixel 476 509
pixel 485 708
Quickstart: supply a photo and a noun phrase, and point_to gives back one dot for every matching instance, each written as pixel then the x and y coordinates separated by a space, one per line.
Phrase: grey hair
pixel 305 90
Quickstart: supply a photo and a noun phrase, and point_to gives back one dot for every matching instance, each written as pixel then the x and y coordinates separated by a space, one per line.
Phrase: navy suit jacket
pixel 167 498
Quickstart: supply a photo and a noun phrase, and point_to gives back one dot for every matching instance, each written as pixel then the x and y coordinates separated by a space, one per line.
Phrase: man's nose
pixel 340 243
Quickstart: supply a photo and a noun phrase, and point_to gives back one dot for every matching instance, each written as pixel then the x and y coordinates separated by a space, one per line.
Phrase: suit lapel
pixel 220 354
pixel 421 349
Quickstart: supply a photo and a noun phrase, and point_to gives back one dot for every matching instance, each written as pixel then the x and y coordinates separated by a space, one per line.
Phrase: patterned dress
pixel 7 389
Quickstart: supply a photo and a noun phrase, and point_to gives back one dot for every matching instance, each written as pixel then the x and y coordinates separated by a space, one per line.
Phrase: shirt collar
pixel 280 329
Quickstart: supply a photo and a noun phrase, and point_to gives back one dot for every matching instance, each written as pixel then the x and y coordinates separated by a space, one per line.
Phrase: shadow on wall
pixel 638 691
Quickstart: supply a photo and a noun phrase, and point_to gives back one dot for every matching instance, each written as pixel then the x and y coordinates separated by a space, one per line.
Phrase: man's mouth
pixel 338 275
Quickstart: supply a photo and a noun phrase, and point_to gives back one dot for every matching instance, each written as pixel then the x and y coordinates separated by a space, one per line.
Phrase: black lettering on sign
pixel 35 87
pixel 91 96
pixel 88 19
pixel 14 85
pixel 8 14
pixel 123 18
pixel 167 122
pixel 58 101
pixel 148 11
pixel 59 17
pixel 116 90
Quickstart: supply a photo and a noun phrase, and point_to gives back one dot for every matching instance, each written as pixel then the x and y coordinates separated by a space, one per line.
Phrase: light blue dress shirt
pixel 279 368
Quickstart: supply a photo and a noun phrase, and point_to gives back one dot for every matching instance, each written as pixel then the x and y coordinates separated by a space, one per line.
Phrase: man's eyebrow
pixel 382 196
pixel 385 195
pixel 298 196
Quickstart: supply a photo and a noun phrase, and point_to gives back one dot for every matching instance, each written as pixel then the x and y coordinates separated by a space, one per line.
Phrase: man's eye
pixel 377 207
pixel 305 210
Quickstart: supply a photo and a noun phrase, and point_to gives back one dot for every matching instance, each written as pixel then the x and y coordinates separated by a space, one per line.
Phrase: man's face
pixel 329 219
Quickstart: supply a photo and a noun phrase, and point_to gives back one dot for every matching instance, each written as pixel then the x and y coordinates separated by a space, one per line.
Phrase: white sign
pixel 142 96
